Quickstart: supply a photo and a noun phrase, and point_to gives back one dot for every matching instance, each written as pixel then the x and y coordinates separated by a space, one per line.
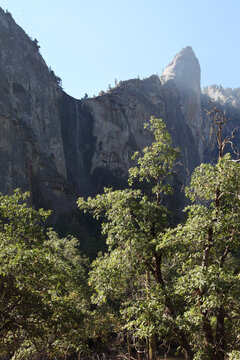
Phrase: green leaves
pixel 223 177
pixel 133 223
pixel 156 162
pixel 208 280
pixel 43 289
pixel 182 284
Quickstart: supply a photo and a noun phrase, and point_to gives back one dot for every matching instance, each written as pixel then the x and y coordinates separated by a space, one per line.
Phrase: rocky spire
pixel 184 70
pixel 183 73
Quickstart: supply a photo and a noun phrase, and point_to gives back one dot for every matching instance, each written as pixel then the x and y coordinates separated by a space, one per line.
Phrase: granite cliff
pixel 60 148
pixel 31 146
pixel 183 74
pixel 101 134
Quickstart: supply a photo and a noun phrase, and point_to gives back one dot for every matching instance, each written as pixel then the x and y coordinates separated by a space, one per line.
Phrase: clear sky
pixel 89 43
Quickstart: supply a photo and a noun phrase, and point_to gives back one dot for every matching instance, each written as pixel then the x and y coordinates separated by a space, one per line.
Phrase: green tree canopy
pixel 134 222
pixel 182 284
pixel 43 289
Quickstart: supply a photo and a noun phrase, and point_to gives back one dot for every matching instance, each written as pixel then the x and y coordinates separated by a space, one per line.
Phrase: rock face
pixel 183 73
pixel 226 97
pixel 31 147
pixel 60 148
pixel 228 101
pixel 101 134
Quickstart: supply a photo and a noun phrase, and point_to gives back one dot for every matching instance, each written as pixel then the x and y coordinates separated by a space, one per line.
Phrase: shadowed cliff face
pixel 78 143
pixel 118 119
pixel 60 148
pixel 31 149
pixel 101 134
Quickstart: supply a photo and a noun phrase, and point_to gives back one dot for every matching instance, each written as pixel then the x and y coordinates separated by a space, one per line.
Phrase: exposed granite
pixel 60 148
pixel 228 101
pixel 183 73
pixel 31 147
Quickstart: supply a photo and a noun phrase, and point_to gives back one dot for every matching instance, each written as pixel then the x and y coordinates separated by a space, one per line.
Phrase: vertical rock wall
pixel 31 148
pixel 60 148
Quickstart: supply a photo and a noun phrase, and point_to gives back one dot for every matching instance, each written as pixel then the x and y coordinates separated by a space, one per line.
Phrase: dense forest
pixel 160 288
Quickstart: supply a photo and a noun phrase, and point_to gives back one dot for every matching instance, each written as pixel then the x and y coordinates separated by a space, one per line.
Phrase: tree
pixel 43 290
pixel 134 221
pixel 36 44
pixel 182 284
pixel 56 78
pixel 209 281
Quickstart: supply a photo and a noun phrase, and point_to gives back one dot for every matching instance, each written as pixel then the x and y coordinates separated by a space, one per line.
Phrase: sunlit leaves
pixel 208 280
pixel 155 163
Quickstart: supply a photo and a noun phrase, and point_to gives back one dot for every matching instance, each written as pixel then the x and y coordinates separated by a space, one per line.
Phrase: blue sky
pixel 89 43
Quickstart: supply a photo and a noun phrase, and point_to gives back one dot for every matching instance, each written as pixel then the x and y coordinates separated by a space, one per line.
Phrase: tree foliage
pixel 182 284
pixel 133 223
pixel 43 291
pixel 178 284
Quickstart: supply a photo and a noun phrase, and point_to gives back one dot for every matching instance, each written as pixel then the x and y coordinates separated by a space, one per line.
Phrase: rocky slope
pixel 60 148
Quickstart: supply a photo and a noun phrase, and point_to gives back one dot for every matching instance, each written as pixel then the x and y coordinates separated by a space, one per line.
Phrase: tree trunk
pixel 141 347
pixel 220 334
pixel 183 342
pixel 208 338
pixel 152 347
pixel 129 346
